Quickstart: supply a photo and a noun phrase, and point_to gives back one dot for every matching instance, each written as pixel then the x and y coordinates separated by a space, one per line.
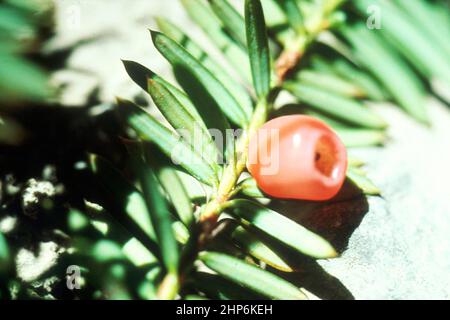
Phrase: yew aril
pixel 297 157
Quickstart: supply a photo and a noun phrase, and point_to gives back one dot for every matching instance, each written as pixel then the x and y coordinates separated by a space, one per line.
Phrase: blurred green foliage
pixel 22 25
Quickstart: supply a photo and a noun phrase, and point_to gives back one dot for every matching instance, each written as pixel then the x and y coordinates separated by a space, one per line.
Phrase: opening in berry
pixel 325 156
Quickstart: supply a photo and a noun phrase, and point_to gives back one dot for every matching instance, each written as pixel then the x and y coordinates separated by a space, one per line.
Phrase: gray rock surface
pixel 401 248
pixel 106 32
pixel 30 265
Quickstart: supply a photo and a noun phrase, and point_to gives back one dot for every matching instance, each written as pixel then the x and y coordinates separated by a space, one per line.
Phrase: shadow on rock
pixel 335 220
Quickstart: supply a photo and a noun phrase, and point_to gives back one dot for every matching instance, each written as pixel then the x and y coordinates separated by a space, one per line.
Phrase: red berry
pixel 297 157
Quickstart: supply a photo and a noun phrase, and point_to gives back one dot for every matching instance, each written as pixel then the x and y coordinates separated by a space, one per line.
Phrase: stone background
pixel 400 248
